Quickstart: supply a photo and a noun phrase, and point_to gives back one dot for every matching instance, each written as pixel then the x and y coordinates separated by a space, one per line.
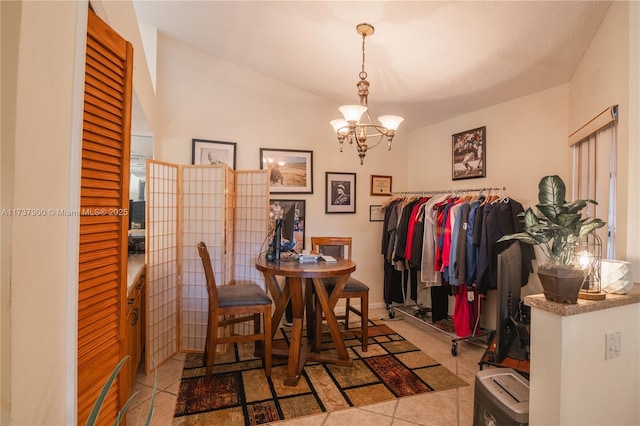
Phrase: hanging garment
pixel 460 211
pixel 392 285
pixel 465 312
pixel 411 226
pixel 472 247
pixel 428 274
pixel 389 229
pixel 440 302
pixel 418 239
pixel 403 226
pixel 502 219
pixel 461 314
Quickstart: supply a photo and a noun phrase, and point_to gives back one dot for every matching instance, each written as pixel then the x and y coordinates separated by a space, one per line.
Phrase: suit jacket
pixel 502 219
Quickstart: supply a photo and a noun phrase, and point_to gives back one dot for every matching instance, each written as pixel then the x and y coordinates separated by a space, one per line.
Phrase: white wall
pixel 604 78
pixel 45 175
pixel 526 139
pixel 203 97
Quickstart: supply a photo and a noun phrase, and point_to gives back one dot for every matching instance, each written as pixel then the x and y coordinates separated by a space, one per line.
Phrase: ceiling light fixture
pixel 351 128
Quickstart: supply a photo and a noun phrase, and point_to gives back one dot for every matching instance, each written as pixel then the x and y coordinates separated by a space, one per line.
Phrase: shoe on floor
pixel 287 323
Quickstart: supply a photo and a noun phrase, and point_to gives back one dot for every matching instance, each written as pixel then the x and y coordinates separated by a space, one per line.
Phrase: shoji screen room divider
pixel 226 209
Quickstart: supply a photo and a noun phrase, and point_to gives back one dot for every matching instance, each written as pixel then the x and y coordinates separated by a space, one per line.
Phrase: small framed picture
pixel 290 171
pixel 376 214
pixel 469 152
pixel 213 152
pixel 381 185
pixel 293 214
pixel 340 192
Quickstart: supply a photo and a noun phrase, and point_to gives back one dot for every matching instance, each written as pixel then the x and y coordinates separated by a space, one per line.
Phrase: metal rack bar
pixel 449 191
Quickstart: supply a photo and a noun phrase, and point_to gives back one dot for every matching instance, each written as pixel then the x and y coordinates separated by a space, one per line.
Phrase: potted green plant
pixel 557 230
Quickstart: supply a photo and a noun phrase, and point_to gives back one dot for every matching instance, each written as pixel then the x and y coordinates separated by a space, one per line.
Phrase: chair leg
pixel 211 348
pixel 364 320
pixel 267 341
pixel 347 307
pixel 256 323
pixel 207 341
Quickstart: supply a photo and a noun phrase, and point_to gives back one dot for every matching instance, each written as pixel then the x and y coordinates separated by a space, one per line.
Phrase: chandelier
pixel 357 128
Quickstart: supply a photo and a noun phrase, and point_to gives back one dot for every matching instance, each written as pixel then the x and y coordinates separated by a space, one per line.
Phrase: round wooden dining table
pixel 303 282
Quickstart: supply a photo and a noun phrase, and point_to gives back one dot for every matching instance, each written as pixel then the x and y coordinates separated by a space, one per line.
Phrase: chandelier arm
pixel 379 130
pixel 372 139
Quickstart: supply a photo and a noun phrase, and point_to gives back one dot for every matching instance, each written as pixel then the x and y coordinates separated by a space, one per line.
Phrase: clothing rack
pixel 419 312
pixel 452 191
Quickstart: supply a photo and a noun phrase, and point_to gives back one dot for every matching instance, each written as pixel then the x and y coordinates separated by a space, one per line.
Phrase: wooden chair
pixel 235 303
pixel 336 247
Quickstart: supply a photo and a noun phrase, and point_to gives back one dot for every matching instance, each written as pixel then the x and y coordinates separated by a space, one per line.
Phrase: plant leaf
pixel 590 226
pixel 521 236
pixel 530 218
pixel 550 211
pixel 153 398
pixel 97 406
pixel 123 410
pixel 568 220
pixel 551 190
pixel 576 206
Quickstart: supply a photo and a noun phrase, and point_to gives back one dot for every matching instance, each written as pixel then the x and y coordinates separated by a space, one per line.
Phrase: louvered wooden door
pixel 103 222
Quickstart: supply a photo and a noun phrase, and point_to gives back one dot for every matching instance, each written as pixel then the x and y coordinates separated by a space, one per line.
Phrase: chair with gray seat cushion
pixel 340 247
pixel 235 304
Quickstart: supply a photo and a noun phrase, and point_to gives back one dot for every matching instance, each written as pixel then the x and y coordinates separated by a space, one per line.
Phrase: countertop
pixel 583 306
pixel 135 267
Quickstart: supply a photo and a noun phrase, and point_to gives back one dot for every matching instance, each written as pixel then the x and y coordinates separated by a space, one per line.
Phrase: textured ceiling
pixel 427 61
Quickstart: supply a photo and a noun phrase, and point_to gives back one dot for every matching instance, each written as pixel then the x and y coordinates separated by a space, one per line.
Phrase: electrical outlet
pixel 612 345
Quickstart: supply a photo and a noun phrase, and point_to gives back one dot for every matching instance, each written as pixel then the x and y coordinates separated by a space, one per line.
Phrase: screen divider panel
pixel 229 229
pixel 252 214
pixel 162 263
pixel 188 204
pixel 252 193
pixel 203 219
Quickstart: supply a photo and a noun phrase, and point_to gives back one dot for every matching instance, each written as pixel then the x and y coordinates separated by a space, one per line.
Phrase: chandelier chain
pixel 363 73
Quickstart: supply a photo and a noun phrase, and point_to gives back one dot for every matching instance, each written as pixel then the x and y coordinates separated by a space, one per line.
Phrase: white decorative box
pixel 616 276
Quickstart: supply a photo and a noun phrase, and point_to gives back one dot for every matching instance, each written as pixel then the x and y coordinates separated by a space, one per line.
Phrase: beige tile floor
pixel 454 407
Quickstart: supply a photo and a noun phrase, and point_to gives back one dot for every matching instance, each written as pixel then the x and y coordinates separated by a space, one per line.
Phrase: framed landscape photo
pixel 340 192
pixel 376 214
pixel 294 213
pixel 213 152
pixel 469 152
pixel 290 171
pixel 381 185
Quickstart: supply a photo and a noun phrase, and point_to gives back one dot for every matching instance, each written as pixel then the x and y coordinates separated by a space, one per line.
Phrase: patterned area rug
pixel 241 394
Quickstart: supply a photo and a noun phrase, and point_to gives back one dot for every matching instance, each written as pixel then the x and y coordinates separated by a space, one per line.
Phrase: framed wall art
pixel 381 185
pixel 340 192
pixel 290 171
pixel 213 152
pixel 293 213
pixel 376 214
pixel 469 153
